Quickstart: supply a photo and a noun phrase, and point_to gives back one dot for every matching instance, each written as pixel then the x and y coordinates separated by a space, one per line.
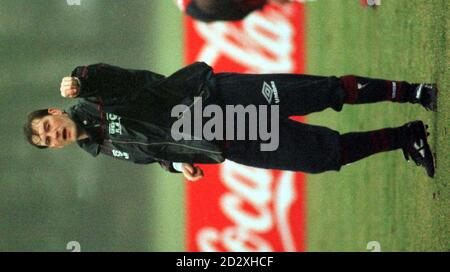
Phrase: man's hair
pixel 28 128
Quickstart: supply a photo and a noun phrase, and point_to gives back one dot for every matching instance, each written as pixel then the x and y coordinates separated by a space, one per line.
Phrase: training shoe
pixel 416 146
pixel 426 95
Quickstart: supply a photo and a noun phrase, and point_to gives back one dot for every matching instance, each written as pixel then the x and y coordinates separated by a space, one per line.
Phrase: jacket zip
pixel 169 143
pixel 191 105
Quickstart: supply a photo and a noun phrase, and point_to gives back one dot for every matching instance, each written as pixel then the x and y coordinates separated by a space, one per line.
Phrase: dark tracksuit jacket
pixel 127 115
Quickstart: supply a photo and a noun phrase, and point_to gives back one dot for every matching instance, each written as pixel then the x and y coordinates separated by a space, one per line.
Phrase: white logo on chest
pixel 361 86
pixel 120 154
pixel 115 126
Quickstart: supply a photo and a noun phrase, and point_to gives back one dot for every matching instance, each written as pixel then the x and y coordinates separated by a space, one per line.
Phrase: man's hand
pixel 70 87
pixel 191 173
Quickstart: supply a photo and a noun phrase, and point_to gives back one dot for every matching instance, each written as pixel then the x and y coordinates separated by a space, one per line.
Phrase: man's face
pixel 55 130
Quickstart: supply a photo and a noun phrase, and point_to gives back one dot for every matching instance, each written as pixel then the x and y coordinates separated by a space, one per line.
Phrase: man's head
pixel 50 128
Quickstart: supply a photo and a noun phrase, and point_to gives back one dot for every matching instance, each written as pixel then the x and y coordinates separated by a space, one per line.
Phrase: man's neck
pixel 82 135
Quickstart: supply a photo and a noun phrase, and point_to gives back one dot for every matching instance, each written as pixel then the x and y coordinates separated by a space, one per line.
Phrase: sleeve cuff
pixel 177 166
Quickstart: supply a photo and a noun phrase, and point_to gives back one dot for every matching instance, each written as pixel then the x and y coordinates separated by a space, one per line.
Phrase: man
pixel 128 114
pixel 234 10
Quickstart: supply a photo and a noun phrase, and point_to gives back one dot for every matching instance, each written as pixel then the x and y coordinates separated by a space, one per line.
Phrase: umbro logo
pixel 270 91
pixel 361 86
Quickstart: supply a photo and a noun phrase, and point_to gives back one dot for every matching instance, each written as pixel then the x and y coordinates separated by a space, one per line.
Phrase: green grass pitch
pixel 383 198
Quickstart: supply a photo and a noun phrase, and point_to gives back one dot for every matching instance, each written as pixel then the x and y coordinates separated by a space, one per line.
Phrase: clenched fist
pixel 191 172
pixel 70 87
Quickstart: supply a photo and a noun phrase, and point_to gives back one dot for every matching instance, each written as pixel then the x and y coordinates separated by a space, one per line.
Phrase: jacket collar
pixel 94 140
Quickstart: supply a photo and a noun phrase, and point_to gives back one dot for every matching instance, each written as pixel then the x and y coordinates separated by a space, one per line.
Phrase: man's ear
pixel 55 111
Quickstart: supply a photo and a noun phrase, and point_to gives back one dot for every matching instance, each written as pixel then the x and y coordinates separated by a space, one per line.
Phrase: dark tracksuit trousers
pixel 302 147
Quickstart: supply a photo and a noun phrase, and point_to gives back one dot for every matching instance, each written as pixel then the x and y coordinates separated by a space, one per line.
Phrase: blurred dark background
pixel 51 197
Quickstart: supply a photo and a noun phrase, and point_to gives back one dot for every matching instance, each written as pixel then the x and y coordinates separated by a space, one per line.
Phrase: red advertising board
pixel 235 207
